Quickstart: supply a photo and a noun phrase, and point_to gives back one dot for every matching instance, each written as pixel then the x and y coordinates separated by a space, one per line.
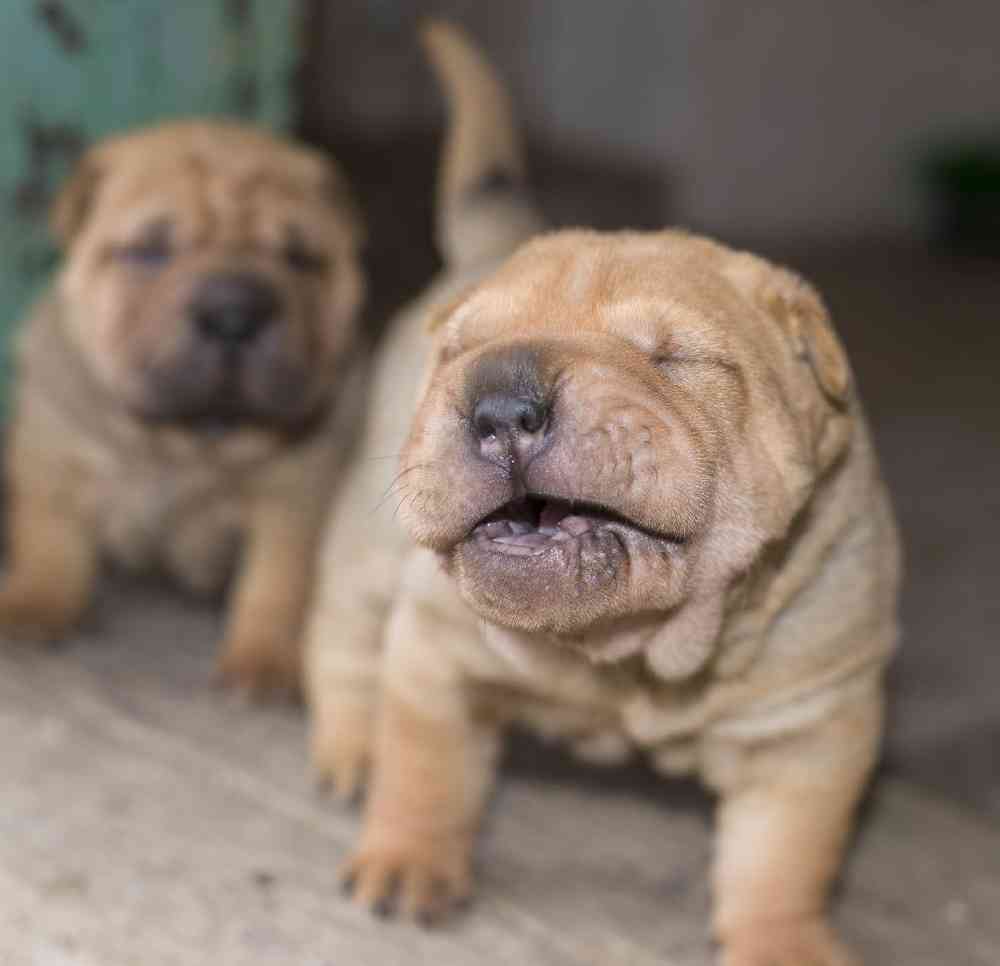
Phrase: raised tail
pixel 483 207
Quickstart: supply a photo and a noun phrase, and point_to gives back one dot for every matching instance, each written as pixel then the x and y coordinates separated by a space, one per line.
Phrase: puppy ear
pixel 69 210
pixel 799 310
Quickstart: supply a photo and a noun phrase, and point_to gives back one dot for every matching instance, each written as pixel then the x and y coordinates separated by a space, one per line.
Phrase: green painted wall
pixel 76 70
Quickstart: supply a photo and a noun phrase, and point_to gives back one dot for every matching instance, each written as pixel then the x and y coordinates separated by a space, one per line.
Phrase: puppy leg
pixel 201 552
pixel 434 765
pixel 343 656
pixel 261 652
pixel 784 821
pixel 51 568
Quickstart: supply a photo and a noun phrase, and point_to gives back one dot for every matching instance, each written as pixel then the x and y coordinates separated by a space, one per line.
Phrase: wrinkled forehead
pixel 641 289
pixel 206 201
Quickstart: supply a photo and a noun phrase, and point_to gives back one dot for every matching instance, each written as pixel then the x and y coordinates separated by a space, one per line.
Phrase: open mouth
pixel 533 524
pixel 546 563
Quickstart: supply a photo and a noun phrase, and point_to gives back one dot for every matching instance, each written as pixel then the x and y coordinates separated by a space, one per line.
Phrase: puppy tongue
pixel 557 518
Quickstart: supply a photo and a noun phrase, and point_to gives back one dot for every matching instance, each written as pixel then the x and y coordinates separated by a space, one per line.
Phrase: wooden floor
pixel 145 820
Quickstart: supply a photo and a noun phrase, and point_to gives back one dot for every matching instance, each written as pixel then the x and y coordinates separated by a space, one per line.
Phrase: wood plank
pixel 145 819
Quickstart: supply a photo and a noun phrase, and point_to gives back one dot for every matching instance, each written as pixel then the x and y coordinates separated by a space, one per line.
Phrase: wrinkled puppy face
pixel 616 424
pixel 212 274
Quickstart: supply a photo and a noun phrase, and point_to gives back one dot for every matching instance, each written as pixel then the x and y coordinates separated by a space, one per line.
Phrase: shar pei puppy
pixel 187 385
pixel 648 516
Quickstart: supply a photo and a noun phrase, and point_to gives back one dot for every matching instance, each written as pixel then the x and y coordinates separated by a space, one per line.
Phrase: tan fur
pixel 736 628
pixel 101 460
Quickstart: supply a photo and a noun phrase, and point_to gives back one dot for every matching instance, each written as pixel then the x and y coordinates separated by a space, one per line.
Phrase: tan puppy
pixel 183 388
pixel 651 518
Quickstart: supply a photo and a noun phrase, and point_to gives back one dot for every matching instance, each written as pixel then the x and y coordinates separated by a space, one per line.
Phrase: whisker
pixel 412 497
pixel 396 482
pixel 399 506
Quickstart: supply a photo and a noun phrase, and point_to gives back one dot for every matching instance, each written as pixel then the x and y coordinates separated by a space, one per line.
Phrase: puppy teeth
pixel 520 526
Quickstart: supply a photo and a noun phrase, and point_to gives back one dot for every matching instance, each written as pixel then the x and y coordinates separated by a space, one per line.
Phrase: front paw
pixel 423 882
pixel 262 668
pixel 35 612
pixel 342 738
pixel 807 942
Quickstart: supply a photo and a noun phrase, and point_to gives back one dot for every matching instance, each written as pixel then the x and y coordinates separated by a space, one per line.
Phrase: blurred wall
pixel 796 119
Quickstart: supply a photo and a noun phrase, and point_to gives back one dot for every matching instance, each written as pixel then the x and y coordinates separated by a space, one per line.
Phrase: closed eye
pixel 301 257
pixel 145 253
pixel 150 250
pixel 671 362
pixel 303 260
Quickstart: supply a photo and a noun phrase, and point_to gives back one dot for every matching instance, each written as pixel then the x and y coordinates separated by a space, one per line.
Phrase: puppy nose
pixel 233 307
pixel 509 424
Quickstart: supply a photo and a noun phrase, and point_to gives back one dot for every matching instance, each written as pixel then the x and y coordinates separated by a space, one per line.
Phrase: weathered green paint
pixel 77 70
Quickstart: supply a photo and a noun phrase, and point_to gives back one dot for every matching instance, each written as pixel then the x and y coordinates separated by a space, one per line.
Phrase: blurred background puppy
pixel 183 389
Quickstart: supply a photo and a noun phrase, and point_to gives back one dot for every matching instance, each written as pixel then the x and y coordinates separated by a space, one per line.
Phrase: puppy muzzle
pixel 233 308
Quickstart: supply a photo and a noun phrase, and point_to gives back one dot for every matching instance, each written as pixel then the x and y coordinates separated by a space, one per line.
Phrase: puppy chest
pixel 704 728
pixel 607 724
pixel 148 522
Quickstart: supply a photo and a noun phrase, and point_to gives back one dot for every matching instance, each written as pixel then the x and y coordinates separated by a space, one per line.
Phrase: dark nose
pixel 233 307
pixel 510 425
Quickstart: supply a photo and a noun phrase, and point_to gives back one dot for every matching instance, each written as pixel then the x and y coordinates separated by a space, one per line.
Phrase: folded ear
pixel 70 209
pixel 799 310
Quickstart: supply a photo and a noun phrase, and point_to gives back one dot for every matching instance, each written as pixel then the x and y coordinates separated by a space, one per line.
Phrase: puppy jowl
pixel 178 388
